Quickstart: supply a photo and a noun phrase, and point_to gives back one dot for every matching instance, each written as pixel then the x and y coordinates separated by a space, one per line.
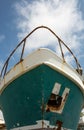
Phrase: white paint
pixel 64 98
pixel 66 92
pixel 40 124
pixel 1 117
pixel 56 88
pixel 42 56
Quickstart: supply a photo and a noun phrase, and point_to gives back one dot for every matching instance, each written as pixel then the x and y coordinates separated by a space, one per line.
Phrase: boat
pixel 42 91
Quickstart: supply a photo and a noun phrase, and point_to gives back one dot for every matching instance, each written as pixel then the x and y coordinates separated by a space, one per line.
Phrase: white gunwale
pixel 41 56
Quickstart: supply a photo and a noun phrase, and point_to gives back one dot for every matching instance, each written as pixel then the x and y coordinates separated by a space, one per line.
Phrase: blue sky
pixel 19 17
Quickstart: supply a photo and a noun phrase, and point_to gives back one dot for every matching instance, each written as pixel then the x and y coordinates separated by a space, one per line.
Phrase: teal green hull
pixel 24 100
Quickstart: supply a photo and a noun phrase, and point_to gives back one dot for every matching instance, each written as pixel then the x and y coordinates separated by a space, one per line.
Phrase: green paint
pixel 21 101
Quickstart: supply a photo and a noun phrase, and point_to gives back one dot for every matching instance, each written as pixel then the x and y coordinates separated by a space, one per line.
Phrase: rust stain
pixel 59 124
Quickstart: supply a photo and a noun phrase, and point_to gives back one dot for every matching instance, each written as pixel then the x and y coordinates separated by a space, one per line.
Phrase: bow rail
pixel 60 42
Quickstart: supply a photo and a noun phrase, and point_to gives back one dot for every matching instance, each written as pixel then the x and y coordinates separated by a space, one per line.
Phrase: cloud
pixel 62 16
pixel 2 37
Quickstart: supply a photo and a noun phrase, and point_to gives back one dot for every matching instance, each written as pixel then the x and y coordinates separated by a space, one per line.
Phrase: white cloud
pixel 63 17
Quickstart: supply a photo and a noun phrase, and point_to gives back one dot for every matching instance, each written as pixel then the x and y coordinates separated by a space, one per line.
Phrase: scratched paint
pixel 21 98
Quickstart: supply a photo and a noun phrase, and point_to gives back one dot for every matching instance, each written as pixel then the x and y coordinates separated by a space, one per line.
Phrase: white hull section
pixel 41 124
pixel 42 56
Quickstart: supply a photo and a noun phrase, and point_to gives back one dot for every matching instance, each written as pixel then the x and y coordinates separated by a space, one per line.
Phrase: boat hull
pixel 26 101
